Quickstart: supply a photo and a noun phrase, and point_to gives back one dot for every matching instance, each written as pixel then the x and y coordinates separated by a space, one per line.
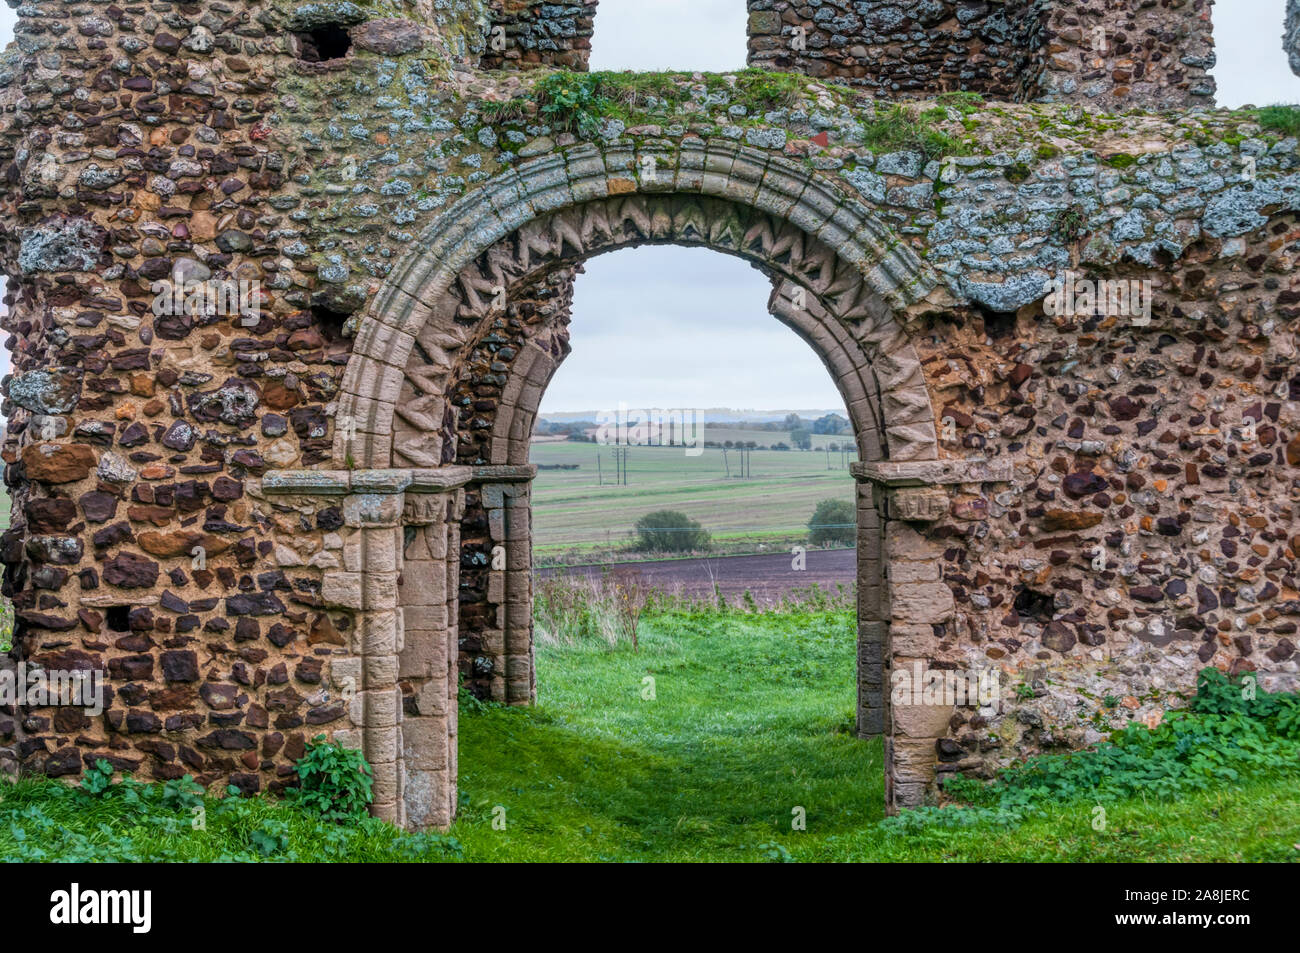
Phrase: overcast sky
pixel 678 327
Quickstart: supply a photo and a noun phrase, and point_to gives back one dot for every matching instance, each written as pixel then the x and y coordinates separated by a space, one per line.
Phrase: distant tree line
pixel 801 430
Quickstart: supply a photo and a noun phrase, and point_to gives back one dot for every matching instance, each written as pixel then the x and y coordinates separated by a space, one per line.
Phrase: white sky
pixel 680 327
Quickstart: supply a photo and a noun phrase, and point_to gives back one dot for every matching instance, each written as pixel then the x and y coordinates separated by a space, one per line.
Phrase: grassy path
pixel 752 718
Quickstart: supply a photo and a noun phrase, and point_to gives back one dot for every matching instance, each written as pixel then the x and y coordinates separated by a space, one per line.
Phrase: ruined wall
pixel 900 49
pixel 1105 52
pixel 1291 35
pixel 528 34
pixel 134 143
pixel 138 143
pixel 496 623
pixel 1151 526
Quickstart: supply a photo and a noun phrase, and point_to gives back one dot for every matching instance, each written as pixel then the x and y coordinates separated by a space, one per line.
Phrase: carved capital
pixel 424 509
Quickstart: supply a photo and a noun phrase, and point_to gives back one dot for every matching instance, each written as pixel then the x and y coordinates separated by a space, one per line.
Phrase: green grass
pixel 751 718
pixel 45 821
pixel 572 510
pixel 1281 119
pixel 6 607
pixel 900 127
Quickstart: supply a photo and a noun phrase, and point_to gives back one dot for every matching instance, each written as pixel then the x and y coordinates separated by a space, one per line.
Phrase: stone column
pixel 368 584
pixel 497 645
pixel 873 618
pixel 426 665
pixel 910 497
pixel 398 580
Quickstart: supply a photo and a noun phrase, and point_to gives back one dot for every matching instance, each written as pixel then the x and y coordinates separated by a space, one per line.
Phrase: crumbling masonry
pixel 312 516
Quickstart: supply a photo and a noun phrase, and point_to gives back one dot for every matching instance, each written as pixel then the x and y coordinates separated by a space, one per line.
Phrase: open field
pixel 572 509
pixel 766 579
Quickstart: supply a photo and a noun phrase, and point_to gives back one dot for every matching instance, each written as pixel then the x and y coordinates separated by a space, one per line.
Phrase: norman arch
pixel 571 206
pixel 445 577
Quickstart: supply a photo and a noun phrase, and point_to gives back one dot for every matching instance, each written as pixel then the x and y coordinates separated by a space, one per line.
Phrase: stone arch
pixel 565 208
pixel 840 280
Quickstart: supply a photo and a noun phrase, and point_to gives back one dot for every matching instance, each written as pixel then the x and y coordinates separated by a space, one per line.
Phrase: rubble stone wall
pixel 528 34
pixel 1108 53
pixel 1291 36
pixel 267 525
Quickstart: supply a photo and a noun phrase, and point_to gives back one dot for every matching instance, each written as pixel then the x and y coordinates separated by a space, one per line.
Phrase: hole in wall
pixel 999 324
pixel 118 618
pixel 1034 606
pixel 328 42
pixel 328 316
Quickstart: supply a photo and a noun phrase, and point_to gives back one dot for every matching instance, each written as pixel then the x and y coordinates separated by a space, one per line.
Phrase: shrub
pixel 1232 731
pixel 609 608
pixel 97 778
pixel 834 521
pixel 1281 119
pixel 335 781
pixel 573 102
pixel 668 531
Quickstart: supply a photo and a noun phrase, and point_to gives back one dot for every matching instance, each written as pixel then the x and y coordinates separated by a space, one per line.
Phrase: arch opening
pixel 421 407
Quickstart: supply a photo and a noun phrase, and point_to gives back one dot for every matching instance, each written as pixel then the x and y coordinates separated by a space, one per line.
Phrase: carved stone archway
pixel 840 281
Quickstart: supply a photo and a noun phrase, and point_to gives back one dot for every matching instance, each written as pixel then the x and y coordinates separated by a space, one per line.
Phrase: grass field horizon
pixel 574 512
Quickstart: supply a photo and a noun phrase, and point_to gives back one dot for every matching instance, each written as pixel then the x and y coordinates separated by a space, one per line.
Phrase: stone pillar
pixel 398 581
pixel 426 665
pixel 873 618
pixel 909 497
pixel 496 646
pixel 368 584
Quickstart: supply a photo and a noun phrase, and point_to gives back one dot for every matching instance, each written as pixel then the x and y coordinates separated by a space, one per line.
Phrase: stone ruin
pixel 1067 340
pixel 1291 39
pixel 1106 53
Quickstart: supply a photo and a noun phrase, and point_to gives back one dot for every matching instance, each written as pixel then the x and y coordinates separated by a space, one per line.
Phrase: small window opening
pixel 999 324
pixel 1034 606
pixel 327 316
pixel 328 42
pixel 119 618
